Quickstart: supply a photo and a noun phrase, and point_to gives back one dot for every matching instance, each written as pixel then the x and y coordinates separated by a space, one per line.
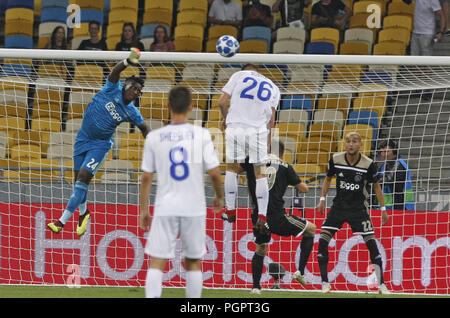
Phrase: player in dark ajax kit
pixel 353 172
pixel 280 176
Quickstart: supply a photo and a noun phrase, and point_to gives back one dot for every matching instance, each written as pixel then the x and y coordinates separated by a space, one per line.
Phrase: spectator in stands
pixel 424 30
pixel 330 14
pixel 129 39
pixel 227 12
pixel 291 12
pixel 256 14
pixel 161 40
pixel 58 39
pixel 395 178
pixel 95 43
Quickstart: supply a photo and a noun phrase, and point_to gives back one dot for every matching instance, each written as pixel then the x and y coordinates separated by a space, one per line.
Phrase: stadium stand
pixel 30 23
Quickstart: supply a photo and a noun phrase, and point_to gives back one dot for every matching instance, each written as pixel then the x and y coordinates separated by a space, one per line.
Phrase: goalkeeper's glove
pixel 261 224
pixel 133 58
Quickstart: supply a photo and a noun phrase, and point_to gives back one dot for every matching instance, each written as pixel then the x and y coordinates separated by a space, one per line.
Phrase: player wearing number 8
pixel 108 109
pixel 353 172
pixel 253 103
pixel 179 153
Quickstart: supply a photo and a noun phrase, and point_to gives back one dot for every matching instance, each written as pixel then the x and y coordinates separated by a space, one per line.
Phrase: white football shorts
pixel 246 141
pixel 164 231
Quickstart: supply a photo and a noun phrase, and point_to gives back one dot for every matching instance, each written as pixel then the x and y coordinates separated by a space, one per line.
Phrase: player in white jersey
pixel 179 153
pixel 253 103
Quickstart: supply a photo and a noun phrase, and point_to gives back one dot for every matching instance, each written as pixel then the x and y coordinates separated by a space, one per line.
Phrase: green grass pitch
pixel 136 292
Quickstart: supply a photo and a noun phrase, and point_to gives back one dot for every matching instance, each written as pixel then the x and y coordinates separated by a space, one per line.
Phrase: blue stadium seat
pixel 257 33
pixel 29 4
pixel 377 77
pixel 106 6
pixel 91 15
pixel 319 48
pixel 55 3
pixel 367 118
pixel 53 15
pixel 16 70
pixel 19 42
pixel 2 7
pixel 298 102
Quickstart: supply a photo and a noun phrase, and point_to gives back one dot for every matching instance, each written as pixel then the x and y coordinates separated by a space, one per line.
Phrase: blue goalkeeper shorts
pixel 91 159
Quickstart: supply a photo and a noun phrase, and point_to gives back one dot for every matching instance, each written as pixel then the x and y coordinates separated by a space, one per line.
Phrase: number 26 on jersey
pixel 260 90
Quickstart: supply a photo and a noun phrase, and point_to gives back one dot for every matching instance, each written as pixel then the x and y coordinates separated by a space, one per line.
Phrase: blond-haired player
pixel 353 172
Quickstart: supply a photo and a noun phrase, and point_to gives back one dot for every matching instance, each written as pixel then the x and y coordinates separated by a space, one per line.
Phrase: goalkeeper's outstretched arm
pixel 132 59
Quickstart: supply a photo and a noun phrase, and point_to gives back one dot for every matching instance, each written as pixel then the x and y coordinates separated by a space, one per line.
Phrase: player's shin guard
pixel 306 247
pixel 262 195
pixel 153 283
pixel 194 284
pixel 230 189
pixel 375 257
pixel 257 268
pixel 78 196
pixel 82 208
pixel 322 255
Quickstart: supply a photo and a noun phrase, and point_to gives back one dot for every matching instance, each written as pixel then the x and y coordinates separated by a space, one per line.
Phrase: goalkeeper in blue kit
pixel 111 106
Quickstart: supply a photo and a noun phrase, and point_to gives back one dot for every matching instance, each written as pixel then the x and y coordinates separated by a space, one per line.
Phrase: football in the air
pixel 227 45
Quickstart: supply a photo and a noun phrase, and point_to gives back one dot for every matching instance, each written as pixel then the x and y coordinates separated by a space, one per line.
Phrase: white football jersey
pixel 252 98
pixel 179 154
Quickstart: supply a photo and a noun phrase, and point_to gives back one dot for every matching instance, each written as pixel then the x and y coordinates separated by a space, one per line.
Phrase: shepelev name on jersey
pixel 176 136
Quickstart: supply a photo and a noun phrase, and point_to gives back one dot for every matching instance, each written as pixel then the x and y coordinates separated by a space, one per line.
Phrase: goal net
pixel 406 100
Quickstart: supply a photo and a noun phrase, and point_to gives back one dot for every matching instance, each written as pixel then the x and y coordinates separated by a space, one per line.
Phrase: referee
pixel 280 175
pixel 353 172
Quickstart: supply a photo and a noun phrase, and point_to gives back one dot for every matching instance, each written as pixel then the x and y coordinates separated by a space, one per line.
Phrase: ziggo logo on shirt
pixel 112 110
pixel 348 186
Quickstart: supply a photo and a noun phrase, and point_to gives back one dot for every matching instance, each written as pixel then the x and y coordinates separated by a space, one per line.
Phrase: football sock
pixel 322 255
pixel 230 188
pixel 153 283
pixel 194 284
pixel 257 267
pixel 306 246
pixel 375 257
pixel 262 195
pixel 82 208
pixel 78 195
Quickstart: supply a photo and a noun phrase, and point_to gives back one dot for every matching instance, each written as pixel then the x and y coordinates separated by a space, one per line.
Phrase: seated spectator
pixel 330 14
pixel 129 39
pixel 95 43
pixel 58 39
pixel 161 41
pixel 227 12
pixel 256 14
pixel 291 12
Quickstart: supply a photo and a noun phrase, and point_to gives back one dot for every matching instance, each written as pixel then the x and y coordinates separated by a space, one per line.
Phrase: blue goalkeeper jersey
pixel 102 116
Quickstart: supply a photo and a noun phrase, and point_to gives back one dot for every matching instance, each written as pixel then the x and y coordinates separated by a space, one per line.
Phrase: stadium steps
pixel 422 128
pixel 442 48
